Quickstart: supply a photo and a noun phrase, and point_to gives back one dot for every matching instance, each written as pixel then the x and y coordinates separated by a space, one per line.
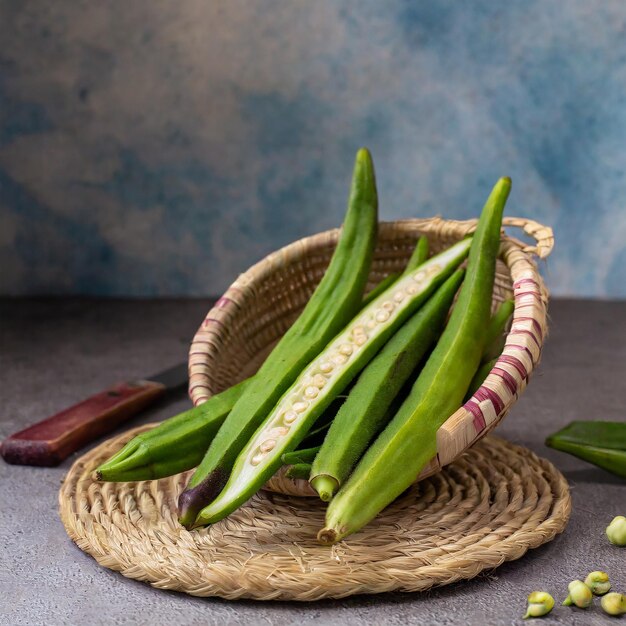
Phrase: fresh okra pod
pixel 363 413
pixel 325 377
pixel 396 458
pixel 176 445
pixel 299 471
pixel 335 301
pixel 494 342
pixel 600 443
pixel 305 455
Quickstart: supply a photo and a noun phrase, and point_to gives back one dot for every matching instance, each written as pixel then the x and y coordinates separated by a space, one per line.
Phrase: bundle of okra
pixel 353 394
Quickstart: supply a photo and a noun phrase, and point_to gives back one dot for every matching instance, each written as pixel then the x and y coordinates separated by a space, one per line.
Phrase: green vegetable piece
pixel 616 531
pixel 327 376
pixel 334 302
pixel 382 286
pixel 418 256
pixel 408 443
pixel 305 455
pixel 176 445
pixel 299 470
pixel 598 582
pixel 479 378
pixel 363 414
pixel 600 443
pixel 540 603
pixel 579 595
pixel 496 338
pixel 614 603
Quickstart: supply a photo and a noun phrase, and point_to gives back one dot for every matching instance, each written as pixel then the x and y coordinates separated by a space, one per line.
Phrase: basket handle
pixel 543 235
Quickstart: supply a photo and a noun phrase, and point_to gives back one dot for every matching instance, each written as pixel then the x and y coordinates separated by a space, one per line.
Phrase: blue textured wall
pixel 160 147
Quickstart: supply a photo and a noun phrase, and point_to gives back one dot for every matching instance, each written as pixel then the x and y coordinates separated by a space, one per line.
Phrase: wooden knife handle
pixel 53 439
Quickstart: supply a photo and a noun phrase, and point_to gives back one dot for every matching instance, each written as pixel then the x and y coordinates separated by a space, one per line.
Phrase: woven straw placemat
pixel 491 505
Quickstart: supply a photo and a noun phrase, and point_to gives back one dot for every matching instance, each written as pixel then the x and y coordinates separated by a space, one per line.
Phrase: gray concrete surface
pixel 55 352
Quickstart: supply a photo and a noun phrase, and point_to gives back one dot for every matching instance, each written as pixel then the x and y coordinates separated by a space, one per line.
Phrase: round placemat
pixel 491 505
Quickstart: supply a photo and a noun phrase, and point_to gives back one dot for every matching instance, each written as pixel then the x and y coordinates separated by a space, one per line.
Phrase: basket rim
pixel 506 381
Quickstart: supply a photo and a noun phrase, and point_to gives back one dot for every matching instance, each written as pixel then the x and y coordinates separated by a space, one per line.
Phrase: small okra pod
pixel 616 531
pixel 614 603
pixel 598 582
pixel 300 471
pixel 579 594
pixel 540 603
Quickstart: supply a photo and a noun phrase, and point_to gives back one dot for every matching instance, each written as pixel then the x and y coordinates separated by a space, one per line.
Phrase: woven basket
pixel 240 330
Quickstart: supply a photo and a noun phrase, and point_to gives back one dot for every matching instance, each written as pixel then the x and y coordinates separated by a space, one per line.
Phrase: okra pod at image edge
pixel 364 412
pixel 176 445
pixel 334 302
pixel 395 459
pixel 325 377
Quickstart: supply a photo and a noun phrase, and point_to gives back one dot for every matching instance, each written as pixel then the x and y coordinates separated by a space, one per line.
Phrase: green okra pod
pixel 494 342
pixel 396 458
pixel 303 455
pixel 383 285
pixel 176 445
pixel 600 443
pixel 364 412
pixel 327 376
pixel 299 470
pixel 335 301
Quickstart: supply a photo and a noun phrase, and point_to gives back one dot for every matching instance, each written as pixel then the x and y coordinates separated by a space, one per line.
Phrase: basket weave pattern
pixel 262 303
pixel 490 506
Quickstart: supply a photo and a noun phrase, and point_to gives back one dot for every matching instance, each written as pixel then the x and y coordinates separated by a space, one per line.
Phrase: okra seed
pixel 360 340
pixel 382 316
pixel 256 459
pixel 389 306
pixel 319 381
pixel 290 417
pixel 299 407
pixel 326 367
pixel 282 431
pixel 358 330
pixel 346 349
pixel 268 445
pixel 398 296
pixel 371 324
pixel 340 359
pixel 433 269
pixel 311 392
pixel 419 277
pixel 412 289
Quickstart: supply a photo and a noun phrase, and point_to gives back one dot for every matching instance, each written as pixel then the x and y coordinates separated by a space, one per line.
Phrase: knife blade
pixel 53 439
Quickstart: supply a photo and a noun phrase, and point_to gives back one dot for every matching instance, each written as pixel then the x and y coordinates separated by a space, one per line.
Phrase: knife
pixel 53 439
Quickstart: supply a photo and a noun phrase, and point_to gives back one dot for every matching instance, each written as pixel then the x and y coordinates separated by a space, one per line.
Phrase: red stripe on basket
pixel 509 381
pixel 514 346
pixel 534 322
pixel 479 418
pixel 484 393
pixel 212 320
pixel 525 281
pixel 224 301
pixel 534 294
pixel 516 363
pixel 523 331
